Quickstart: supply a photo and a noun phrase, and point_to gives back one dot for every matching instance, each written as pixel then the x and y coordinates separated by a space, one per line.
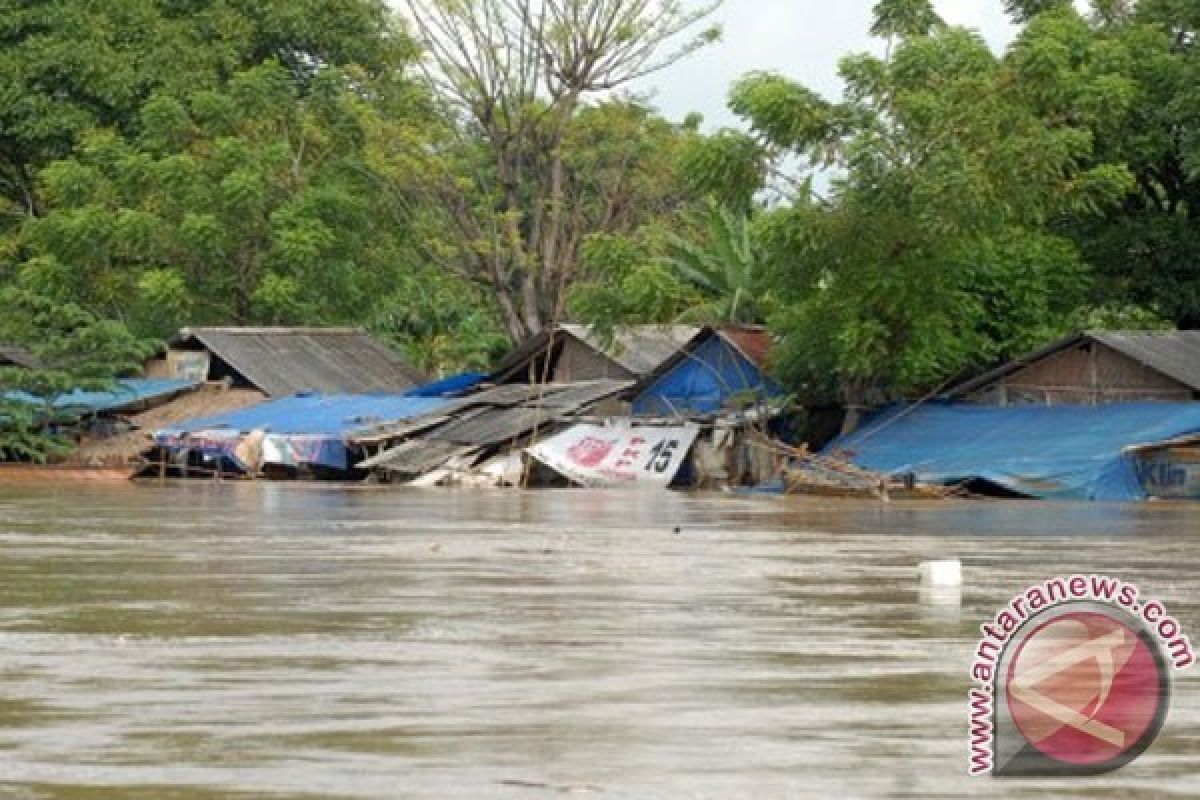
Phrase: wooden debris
pixel 805 472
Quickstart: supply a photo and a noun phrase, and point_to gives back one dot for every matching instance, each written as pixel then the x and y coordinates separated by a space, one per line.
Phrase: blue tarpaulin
pixel 1052 452
pixel 125 393
pixel 302 429
pixel 446 387
pixel 703 381
pixel 315 413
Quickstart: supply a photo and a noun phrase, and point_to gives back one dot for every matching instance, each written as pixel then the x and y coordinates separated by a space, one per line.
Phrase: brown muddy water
pixel 247 641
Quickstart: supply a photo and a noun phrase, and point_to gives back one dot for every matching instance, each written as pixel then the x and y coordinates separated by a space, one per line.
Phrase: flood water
pixel 245 641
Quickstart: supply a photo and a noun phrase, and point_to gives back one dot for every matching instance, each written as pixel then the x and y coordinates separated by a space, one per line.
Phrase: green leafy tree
pixel 726 265
pixel 904 18
pixel 74 350
pixel 1025 10
pixel 67 68
pixel 441 323
pixel 245 205
pixel 932 251
pixel 1145 250
pixel 630 282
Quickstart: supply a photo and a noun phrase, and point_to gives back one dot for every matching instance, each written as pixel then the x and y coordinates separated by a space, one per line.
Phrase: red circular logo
pixel 1086 689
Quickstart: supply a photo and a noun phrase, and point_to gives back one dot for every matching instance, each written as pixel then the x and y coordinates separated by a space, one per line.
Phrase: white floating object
pixel 940 603
pixel 941 573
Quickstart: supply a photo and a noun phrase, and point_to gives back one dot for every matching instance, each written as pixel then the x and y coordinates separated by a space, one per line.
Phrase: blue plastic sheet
pixel 1055 452
pixel 447 387
pixel 704 382
pixel 315 413
pixel 304 428
pixel 125 393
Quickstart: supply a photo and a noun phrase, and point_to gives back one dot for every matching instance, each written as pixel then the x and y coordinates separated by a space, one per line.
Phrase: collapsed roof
pixel 480 423
pixel 1050 452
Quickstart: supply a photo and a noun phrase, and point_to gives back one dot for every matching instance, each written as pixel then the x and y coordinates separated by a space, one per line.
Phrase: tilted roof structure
pixel 633 350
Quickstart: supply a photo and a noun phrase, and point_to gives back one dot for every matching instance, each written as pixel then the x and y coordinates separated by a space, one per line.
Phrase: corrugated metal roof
pixel 755 343
pixel 492 417
pixel 496 426
pixel 481 418
pixel 638 348
pixel 506 420
pixel 1175 354
pixel 416 457
pixel 571 397
pixel 15 355
pixel 285 361
pixel 511 395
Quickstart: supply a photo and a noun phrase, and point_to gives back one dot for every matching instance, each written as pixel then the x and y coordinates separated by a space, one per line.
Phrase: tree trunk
pixel 854 393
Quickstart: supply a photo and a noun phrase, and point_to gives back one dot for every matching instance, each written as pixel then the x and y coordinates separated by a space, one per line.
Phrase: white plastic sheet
pixel 599 456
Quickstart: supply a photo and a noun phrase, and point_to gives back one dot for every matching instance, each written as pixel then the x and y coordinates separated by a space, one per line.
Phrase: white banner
pixel 599 456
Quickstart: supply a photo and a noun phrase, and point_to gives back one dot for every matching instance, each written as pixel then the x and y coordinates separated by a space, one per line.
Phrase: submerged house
pixel 686 418
pixel 480 433
pixel 324 381
pixel 570 353
pixel 102 422
pixel 506 429
pixel 717 370
pixel 1095 368
pixel 1096 416
pixel 279 362
pixel 305 435
pixel 1112 453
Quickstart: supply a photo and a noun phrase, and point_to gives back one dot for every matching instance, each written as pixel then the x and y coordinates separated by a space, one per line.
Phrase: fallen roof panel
pixel 495 427
pixel 416 457
pixel 573 396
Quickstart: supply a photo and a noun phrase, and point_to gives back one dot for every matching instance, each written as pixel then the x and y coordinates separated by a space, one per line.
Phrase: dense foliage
pixel 957 206
pixel 75 350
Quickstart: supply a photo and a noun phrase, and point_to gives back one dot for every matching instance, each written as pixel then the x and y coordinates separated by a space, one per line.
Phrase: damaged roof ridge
pixel 636 349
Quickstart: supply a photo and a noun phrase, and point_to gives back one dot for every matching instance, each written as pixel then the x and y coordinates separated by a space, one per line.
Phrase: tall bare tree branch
pixel 512 76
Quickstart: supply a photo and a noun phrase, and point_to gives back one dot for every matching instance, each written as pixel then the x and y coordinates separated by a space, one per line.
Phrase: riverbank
pixel 60 475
